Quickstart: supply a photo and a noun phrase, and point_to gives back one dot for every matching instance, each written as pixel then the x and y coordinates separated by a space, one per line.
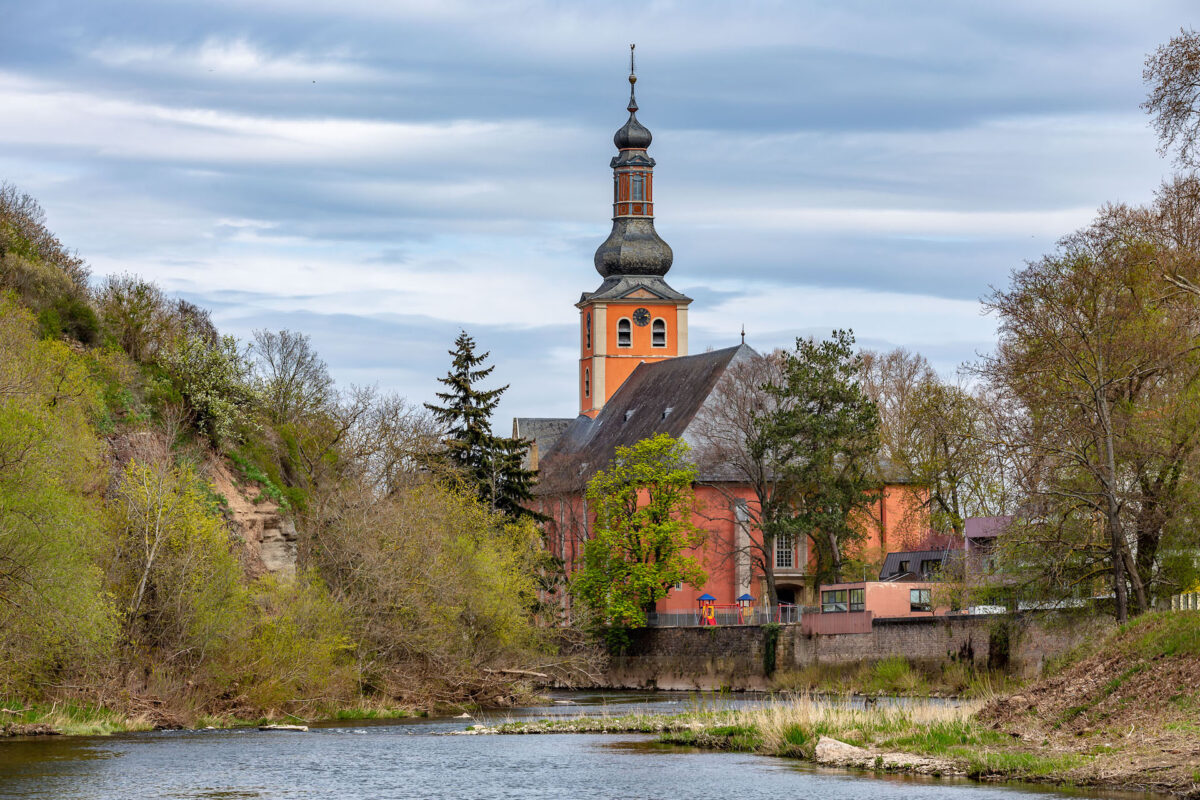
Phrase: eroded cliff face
pixel 268 536
pixel 265 536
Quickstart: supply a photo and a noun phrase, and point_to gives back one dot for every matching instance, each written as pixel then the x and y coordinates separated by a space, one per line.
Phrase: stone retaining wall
pixel 732 657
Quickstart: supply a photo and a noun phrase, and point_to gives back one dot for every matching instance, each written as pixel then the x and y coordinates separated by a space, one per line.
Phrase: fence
pixel 725 615
pixel 1188 601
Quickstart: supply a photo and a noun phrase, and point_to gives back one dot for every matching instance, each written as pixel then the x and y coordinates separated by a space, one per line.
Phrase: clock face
pixel 641 317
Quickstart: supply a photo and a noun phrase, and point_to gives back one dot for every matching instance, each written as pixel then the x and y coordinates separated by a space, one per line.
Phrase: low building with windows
pixel 851 607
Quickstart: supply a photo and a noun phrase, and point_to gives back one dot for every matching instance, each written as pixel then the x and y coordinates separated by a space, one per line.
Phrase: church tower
pixel 634 316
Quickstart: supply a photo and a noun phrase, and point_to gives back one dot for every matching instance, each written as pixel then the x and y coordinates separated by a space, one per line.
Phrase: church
pixel 636 379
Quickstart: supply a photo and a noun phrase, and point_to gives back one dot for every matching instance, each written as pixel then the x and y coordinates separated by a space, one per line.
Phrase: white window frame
pixel 785 552
pixel 654 326
pixel 624 332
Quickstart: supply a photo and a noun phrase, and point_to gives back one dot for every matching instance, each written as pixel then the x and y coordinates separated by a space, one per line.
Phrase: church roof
pixel 617 287
pixel 542 431
pixel 662 397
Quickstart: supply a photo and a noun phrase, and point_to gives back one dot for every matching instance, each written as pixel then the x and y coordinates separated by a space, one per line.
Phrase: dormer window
pixel 624 333
pixel 658 333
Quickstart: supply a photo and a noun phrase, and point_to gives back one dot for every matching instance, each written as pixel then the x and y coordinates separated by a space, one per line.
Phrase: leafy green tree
pixel 826 432
pixel 643 537
pixel 214 380
pixel 493 465
pixel 53 610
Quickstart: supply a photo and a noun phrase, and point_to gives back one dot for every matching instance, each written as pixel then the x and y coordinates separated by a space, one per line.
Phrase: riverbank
pixel 1120 712
pixel 919 738
pixel 80 719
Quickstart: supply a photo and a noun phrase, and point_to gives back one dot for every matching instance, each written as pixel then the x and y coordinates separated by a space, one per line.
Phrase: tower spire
pixel 633 106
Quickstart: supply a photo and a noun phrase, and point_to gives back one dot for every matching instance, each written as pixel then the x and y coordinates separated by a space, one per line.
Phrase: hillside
pixel 1131 701
pixel 192 526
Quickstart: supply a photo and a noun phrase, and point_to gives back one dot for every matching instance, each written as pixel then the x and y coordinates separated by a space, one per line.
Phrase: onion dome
pixel 633 247
pixel 632 134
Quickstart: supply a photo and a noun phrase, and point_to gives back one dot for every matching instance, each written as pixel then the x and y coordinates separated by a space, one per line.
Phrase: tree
pixel 213 378
pixel 1173 74
pixel 491 464
pixel 293 380
pixel 53 611
pixel 1101 357
pixel 643 532
pixel 939 434
pixel 734 449
pixel 826 432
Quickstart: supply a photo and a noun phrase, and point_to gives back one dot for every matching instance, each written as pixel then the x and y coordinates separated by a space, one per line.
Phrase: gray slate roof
pixel 543 432
pixel 616 287
pixel 891 564
pixel 663 397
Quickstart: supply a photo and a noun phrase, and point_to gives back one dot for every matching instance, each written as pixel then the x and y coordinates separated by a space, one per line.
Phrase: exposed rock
pixel 832 751
pixel 839 754
pixel 268 537
pixel 30 729
pixel 301 728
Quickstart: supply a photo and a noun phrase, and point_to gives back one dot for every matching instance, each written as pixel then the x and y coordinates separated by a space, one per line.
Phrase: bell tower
pixel 634 316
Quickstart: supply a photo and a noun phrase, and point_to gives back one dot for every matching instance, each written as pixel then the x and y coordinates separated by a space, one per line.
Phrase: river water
pixel 410 759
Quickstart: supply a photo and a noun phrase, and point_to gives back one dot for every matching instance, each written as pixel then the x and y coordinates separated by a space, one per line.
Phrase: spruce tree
pixel 490 463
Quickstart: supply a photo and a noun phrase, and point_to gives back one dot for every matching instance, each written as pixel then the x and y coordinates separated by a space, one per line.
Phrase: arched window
pixel 587 331
pixel 624 333
pixel 639 187
pixel 587 383
pixel 658 333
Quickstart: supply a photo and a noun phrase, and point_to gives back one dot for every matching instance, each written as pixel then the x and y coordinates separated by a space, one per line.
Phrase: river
pixel 410 759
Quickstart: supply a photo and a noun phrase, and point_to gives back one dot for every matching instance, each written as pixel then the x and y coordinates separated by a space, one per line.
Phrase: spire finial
pixel 632 80
pixel 743 333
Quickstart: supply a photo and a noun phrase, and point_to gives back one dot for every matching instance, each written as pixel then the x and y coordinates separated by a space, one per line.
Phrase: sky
pixel 381 175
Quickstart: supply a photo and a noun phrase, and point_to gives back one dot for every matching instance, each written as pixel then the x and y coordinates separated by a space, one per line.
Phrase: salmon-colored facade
pixel 727 536
pixel 614 340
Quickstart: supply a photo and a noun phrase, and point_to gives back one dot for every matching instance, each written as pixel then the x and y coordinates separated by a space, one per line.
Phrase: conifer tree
pixel 492 464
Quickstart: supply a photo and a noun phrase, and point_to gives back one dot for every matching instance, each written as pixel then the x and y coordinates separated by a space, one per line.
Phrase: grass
pixel 71 718
pixel 897 676
pixel 792 728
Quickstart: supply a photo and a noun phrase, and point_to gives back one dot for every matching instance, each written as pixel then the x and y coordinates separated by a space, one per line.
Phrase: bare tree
pixel 294 380
pixel 732 452
pixel 1173 75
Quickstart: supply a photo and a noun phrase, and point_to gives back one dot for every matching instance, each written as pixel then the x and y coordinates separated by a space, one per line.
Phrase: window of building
pixel 678 586
pixel 658 333
pixel 639 187
pixel 930 566
pixel 587 331
pixel 616 189
pixel 833 601
pixel 858 599
pixel 920 600
pixel 587 383
pixel 624 333
pixel 903 567
pixel 784 552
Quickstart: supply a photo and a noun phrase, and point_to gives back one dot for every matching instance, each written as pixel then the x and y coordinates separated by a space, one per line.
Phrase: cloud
pixel 820 165
pixel 236 58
